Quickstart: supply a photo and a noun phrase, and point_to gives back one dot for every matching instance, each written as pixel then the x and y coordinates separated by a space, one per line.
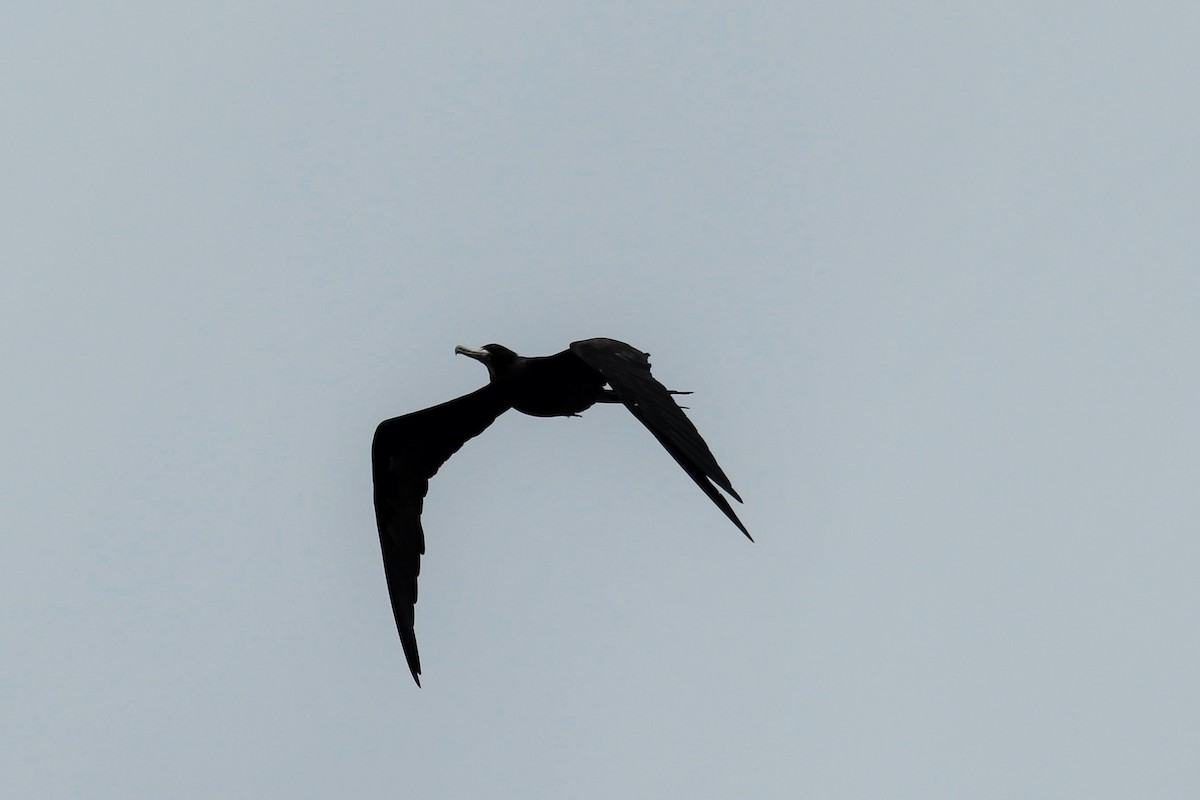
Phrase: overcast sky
pixel 930 268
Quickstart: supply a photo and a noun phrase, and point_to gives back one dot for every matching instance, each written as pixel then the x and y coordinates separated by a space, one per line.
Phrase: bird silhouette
pixel 407 451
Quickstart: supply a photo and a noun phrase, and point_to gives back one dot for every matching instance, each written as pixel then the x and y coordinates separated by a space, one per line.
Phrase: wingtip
pixel 732 516
pixel 741 527
pixel 409 640
pixel 734 519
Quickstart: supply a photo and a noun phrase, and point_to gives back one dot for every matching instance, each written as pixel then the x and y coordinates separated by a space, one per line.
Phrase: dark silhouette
pixel 408 450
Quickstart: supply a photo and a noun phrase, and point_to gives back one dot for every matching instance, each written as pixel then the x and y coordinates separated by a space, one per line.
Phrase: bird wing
pixel 406 452
pixel 627 371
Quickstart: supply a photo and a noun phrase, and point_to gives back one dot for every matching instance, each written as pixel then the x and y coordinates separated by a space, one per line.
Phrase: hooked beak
pixel 478 355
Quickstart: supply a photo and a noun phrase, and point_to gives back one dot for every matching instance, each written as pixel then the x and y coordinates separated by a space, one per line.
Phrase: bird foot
pixel 676 391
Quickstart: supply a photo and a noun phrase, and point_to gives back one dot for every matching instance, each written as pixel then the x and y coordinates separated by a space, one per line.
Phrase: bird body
pixel 543 386
pixel 407 451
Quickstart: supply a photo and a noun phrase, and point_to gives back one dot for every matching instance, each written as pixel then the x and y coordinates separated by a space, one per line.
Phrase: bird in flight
pixel 407 451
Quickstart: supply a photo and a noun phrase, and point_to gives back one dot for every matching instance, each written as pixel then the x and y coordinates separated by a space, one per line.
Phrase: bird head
pixel 496 357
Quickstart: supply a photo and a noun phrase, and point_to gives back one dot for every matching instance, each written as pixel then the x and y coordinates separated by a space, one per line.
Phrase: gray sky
pixel 930 268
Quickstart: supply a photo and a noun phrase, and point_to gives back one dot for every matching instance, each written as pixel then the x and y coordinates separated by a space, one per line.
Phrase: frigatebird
pixel 407 451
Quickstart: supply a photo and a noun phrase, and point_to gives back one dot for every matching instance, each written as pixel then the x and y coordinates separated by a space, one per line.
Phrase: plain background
pixel 930 268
